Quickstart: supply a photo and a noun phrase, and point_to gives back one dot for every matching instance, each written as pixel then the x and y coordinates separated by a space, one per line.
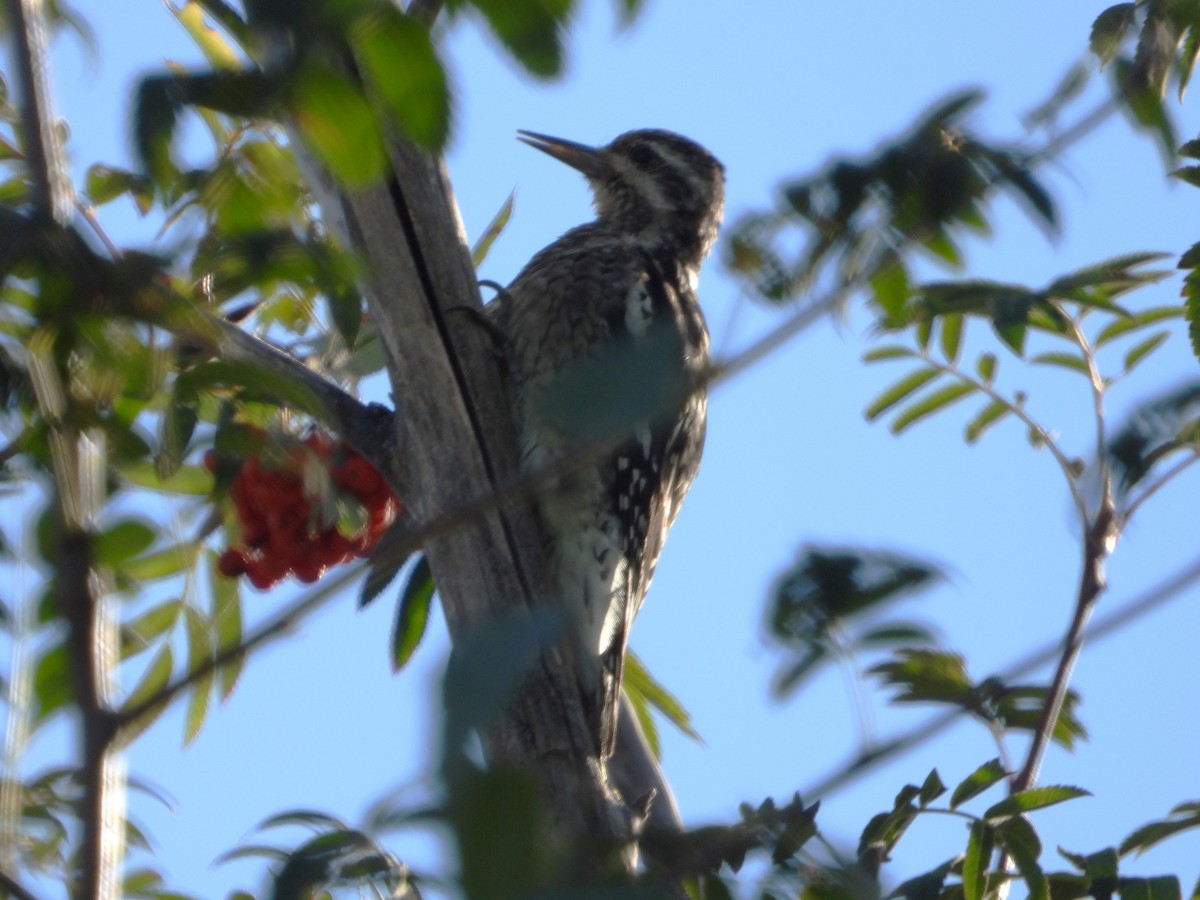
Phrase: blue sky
pixel 774 90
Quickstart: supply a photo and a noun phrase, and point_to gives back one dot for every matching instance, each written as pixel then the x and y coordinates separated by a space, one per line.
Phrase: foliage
pixel 118 374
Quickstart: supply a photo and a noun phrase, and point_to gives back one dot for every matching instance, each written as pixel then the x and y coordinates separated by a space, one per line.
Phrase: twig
pixel 283 622
pixel 15 888
pixel 1097 545
pixel 1148 602
pixel 1043 435
pixel 367 428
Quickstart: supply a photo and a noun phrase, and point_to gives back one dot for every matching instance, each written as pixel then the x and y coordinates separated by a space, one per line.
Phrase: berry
pixel 275 512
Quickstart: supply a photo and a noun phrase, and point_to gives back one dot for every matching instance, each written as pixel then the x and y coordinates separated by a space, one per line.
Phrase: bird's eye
pixel 643 156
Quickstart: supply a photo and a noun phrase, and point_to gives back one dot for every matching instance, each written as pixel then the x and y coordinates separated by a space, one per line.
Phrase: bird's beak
pixel 581 157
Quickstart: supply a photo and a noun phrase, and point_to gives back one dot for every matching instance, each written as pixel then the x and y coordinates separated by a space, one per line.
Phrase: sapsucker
pixel 608 349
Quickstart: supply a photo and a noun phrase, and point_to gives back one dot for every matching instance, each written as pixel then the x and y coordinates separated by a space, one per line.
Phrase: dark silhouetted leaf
pixel 1121 327
pixel 1062 360
pixel 337 123
pixel 531 32
pixel 1017 837
pixel 397 60
pixel 1108 30
pixel 932 788
pixel 1184 817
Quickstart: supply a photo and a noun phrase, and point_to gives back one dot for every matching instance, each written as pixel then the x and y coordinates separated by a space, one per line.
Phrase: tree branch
pixel 14 887
pixel 43 149
pixel 367 428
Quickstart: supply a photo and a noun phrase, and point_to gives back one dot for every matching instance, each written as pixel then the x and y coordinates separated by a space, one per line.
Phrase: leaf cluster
pixel 858 216
pixel 1147 46
pixel 823 608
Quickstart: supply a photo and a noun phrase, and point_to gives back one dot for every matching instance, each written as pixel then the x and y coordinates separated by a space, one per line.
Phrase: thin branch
pixel 367 428
pixel 1098 388
pixel 1148 602
pixel 281 624
pixel 15 888
pixel 1043 435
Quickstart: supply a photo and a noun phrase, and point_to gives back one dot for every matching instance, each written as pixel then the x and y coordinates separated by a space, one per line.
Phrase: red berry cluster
pixel 279 509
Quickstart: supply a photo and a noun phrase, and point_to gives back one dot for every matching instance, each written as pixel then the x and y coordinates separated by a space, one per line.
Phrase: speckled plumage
pixel 598 293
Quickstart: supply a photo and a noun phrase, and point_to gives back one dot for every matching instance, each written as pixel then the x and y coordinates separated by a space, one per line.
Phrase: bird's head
pixel 654 183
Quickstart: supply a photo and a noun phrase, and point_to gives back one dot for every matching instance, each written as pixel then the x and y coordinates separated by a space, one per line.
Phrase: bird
pixel 609 353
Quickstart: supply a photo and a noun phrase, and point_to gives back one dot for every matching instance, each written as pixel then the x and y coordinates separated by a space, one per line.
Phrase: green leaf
pixel 227 622
pixel 976 861
pixel 1108 30
pixel 890 351
pixel 139 634
pixel 977 782
pixel 162 563
pixel 384 564
pixel 153 680
pixel 199 642
pixel 499 221
pixel 1034 798
pixel 412 614
pixel 397 59
pixel 337 123
pixel 986 418
pixel 1121 327
pixel 531 32
pixel 1145 103
pixel 253 379
pixel 1188 174
pixel 1143 349
pixel 892 291
pixel 952 332
pixel 639 681
pixel 1162 887
pixel 122 540
pixel 1062 360
pixel 932 403
pixel 1099 866
pixel 51 682
pixel 986 367
pixel 1192 312
pixel 1020 841
pixel 311 818
pixel 932 788
pixel 107 183
pixel 1183 818
pixel 907 385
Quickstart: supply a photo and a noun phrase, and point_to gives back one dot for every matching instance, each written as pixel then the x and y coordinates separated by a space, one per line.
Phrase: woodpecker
pixel 608 347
